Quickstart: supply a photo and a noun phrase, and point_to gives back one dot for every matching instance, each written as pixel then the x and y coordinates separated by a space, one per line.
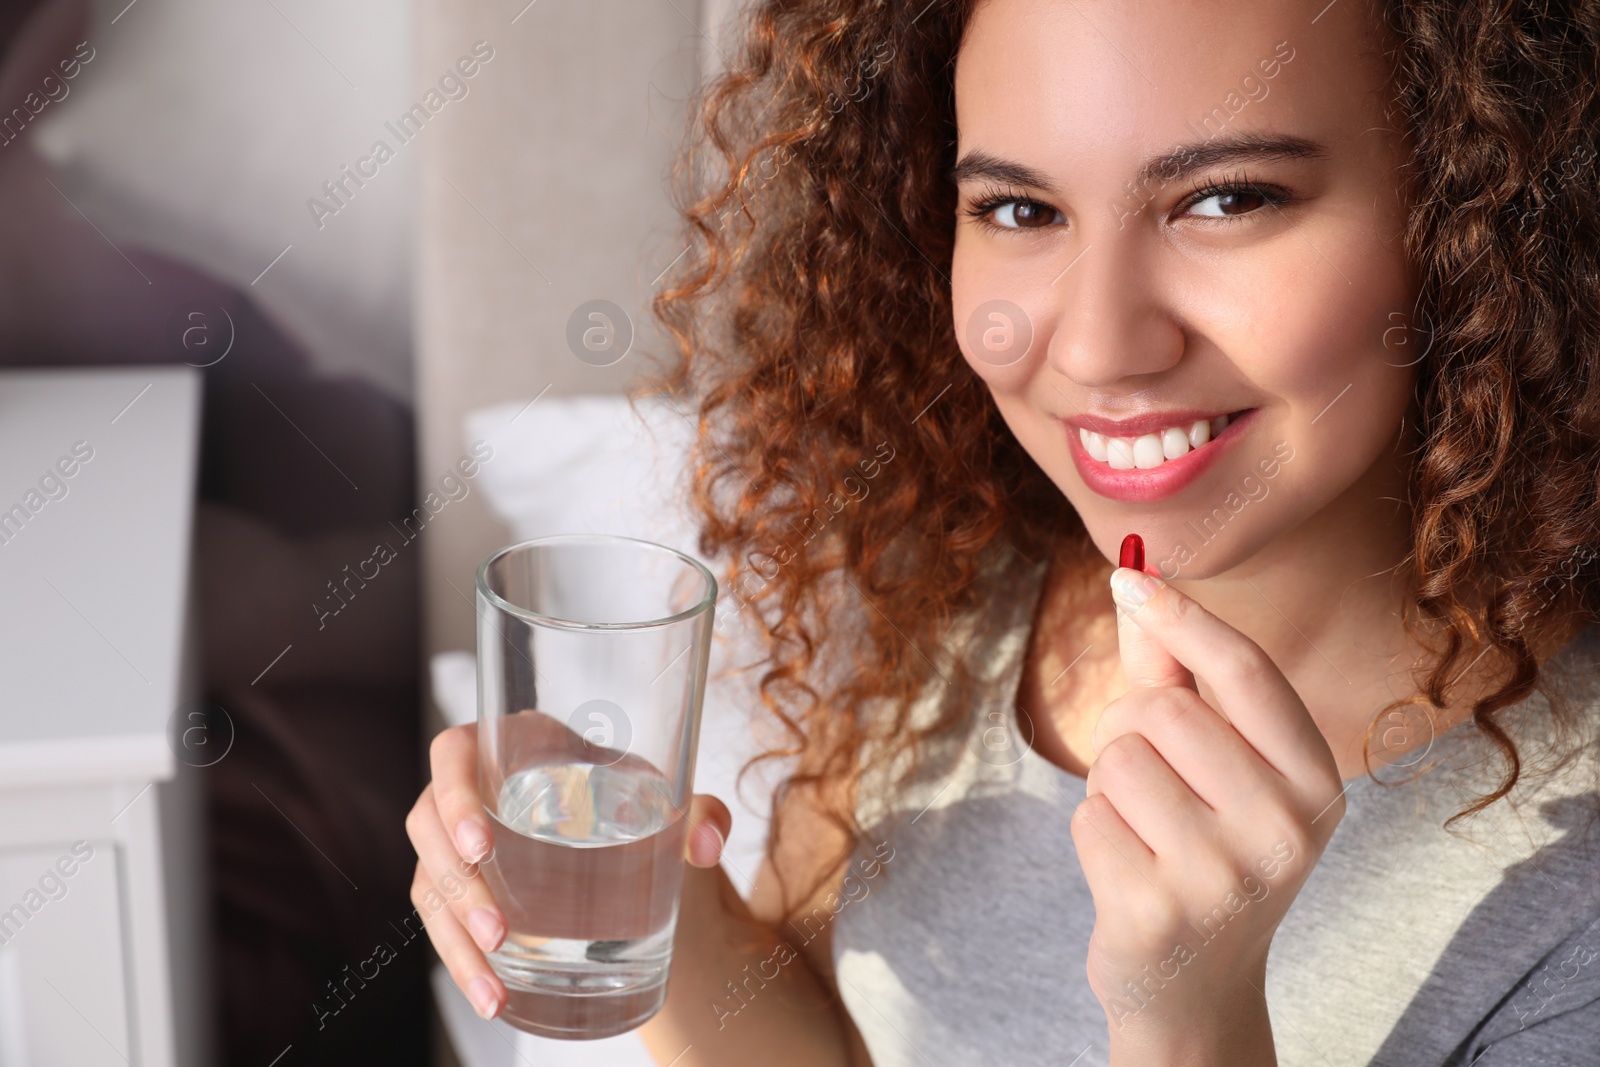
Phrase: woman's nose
pixel 1112 322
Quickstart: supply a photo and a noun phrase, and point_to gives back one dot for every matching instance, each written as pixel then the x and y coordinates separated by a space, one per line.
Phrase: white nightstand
pixel 101 909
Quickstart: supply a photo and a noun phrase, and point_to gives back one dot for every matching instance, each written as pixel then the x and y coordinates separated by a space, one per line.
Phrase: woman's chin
pixel 1177 554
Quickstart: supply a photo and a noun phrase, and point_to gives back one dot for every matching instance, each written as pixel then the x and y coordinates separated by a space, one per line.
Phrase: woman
pixel 1303 295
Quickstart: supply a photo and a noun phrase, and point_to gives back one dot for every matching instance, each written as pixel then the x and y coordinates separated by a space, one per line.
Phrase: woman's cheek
pixel 1325 316
pixel 997 314
pixel 999 341
pixel 1328 359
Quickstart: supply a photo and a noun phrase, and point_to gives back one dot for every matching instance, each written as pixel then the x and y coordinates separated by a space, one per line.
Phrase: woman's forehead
pixel 1054 80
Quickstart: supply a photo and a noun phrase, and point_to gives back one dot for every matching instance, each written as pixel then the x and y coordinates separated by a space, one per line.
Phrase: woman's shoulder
pixel 1556 730
pixel 1544 832
pixel 1440 928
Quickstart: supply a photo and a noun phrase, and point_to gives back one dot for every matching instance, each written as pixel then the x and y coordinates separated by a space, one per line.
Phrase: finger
pixel 1197 743
pixel 1146 663
pixel 461 889
pixel 1250 691
pixel 467 964
pixel 1152 799
pixel 453 759
pixel 1108 850
pixel 709 824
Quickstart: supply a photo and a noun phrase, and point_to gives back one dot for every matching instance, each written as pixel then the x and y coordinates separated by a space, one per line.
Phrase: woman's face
pixel 1171 212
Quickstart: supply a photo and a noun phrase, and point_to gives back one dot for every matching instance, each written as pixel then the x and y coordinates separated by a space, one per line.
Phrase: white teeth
pixel 1147 451
pixel 1150 450
pixel 1174 442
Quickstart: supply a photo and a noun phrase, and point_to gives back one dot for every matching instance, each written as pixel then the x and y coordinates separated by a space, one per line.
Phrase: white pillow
pixel 590 464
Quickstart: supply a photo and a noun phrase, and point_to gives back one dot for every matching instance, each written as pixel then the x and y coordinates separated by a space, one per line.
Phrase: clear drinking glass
pixel 592 656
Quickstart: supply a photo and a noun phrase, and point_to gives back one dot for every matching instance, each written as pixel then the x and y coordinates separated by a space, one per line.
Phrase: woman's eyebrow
pixel 1183 159
pixel 1236 148
pixel 980 164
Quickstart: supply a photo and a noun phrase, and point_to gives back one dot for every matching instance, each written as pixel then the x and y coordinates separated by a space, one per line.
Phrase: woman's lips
pixel 1156 483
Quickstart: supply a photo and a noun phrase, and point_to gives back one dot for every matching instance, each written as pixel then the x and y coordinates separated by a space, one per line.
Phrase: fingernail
pixel 711 843
pixel 1132 587
pixel 472 840
pixel 485 927
pixel 481 993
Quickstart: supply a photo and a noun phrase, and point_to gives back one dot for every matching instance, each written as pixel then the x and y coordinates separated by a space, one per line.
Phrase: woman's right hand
pixel 452 833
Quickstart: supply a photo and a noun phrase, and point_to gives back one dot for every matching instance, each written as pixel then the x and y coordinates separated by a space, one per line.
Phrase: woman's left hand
pixel 1200 825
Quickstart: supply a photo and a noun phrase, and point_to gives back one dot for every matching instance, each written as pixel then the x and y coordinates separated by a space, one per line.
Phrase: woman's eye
pixel 1230 202
pixel 1023 215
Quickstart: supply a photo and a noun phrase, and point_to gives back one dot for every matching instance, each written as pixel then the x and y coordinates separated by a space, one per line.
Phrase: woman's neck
pixel 1325 601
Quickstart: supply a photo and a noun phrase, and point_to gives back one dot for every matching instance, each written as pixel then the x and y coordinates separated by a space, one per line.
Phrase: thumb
pixel 709 823
pixel 1146 663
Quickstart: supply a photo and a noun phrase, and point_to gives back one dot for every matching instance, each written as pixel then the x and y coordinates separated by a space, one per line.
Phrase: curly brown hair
pixel 812 328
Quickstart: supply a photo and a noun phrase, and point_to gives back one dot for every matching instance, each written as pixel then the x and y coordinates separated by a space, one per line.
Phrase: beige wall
pixel 542 189
pixel 202 131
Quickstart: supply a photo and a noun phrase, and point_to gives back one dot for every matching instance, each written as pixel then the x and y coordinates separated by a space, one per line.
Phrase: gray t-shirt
pixel 963 929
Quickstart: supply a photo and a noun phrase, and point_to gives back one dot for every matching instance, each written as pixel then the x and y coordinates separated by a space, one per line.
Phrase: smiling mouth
pixel 1151 450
